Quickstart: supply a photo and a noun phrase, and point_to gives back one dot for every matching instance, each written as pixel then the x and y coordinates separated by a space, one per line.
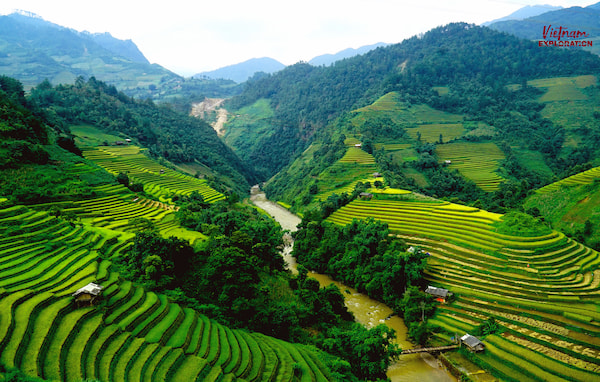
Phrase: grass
pixel 87 135
pixel 563 88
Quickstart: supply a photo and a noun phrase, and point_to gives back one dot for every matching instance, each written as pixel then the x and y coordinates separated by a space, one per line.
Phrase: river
pixel 411 367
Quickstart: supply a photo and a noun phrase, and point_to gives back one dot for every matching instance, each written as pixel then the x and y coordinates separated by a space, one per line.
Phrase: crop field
pixel 571 102
pixel 564 88
pixel 390 105
pixel 86 135
pixel 431 132
pixel 585 177
pixel 122 213
pixel 132 334
pixel 158 180
pixel 543 290
pixel 475 161
pixel 341 177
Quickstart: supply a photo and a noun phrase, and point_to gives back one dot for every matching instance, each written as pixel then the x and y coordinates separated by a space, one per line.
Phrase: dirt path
pixel 212 104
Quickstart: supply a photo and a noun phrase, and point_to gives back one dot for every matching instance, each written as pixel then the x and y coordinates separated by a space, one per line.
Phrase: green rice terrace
pixel 585 177
pixel 131 335
pixel 475 161
pixel 122 211
pixel 159 181
pixel 541 287
pixel 355 166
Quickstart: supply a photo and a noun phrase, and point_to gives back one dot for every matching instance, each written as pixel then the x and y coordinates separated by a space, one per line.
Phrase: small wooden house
pixel 366 195
pixel 87 295
pixel 472 343
pixel 440 294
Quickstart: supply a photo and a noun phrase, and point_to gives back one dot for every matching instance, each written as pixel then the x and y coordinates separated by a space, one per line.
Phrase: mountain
pixel 575 18
pixel 328 59
pixel 124 48
pixel 524 13
pixel 244 70
pixel 32 49
pixel 449 67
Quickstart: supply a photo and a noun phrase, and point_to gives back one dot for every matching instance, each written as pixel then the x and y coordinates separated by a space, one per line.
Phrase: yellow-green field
pixel 543 290
pixel 564 88
pixel 431 132
pixel 157 179
pixel 131 335
pixel 341 177
pixel 475 161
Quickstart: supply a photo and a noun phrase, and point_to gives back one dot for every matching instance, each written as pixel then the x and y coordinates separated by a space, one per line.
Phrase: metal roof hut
pixel 440 294
pixel 85 296
pixel 472 343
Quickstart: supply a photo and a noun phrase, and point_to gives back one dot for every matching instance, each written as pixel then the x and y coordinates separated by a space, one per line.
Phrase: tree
pixel 123 179
pixel 369 351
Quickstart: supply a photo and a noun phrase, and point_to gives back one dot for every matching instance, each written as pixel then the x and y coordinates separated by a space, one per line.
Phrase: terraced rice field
pixel 158 180
pixel 563 88
pixel 542 290
pixel 475 161
pixel 132 335
pixel 341 177
pixel 430 133
pixel 120 210
pixel 585 177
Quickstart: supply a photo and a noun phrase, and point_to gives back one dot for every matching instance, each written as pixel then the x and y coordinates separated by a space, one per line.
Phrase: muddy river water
pixel 412 367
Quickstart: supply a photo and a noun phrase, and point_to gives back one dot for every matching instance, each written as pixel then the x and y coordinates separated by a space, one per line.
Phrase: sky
pixel 189 37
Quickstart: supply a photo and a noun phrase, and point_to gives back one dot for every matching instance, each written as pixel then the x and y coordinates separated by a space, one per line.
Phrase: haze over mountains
pixel 34 49
pixel 525 12
pixel 584 19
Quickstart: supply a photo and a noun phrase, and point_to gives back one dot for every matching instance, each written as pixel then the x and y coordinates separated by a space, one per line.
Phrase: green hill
pixel 571 205
pixel 178 138
pixel 469 63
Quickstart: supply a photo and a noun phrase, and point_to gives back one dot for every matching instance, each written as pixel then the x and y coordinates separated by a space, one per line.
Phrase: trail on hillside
pixel 201 109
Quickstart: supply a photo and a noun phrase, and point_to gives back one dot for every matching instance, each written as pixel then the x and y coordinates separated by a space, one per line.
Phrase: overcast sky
pixel 188 37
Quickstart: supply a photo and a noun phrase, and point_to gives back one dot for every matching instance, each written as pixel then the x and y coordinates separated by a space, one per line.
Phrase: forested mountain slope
pixel 473 63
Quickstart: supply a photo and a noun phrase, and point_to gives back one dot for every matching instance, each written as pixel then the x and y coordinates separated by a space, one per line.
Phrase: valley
pixel 446 185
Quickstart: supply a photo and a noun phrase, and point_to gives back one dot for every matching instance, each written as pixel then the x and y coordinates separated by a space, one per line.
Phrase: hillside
pixel 34 50
pixel 466 61
pixel 537 288
pixel 571 205
pixel 176 137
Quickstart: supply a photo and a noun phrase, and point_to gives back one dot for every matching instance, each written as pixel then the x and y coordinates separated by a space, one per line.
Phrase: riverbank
pixel 412 367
